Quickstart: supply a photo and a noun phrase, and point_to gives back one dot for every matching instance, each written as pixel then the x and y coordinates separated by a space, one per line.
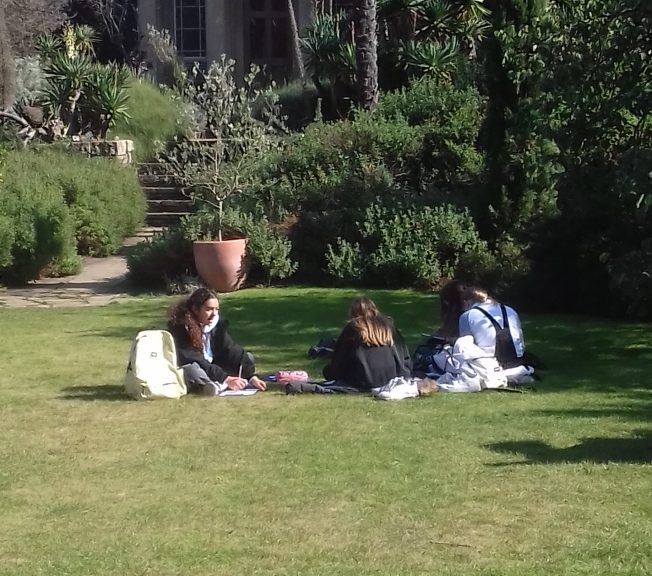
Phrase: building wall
pixel 227 26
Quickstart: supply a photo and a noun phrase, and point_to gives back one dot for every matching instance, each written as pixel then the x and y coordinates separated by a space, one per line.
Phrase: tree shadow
pixel 103 392
pixel 633 450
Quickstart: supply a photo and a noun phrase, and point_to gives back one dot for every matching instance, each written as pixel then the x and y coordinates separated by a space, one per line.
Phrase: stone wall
pixel 121 150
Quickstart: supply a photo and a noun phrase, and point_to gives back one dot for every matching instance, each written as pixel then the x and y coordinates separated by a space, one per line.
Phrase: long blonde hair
pixel 372 327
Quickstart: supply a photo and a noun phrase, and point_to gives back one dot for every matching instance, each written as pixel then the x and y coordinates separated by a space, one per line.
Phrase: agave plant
pixel 108 99
pixel 48 45
pixel 67 79
pixel 329 59
pixel 435 20
pixel 322 46
pixel 435 59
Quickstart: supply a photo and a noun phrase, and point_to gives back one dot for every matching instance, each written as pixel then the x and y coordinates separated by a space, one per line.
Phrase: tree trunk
pixel 296 43
pixel 7 66
pixel 366 53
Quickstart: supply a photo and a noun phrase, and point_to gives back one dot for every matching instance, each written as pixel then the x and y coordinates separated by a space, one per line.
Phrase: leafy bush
pixel 339 166
pixel 104 196
pixel 161 259
pixel 407 247
pixel 421 142
pixel 38 228
pixel 57 203
pixel 156 116
pixel 298 103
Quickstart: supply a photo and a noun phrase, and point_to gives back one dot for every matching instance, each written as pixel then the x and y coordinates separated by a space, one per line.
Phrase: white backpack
pixel 152 370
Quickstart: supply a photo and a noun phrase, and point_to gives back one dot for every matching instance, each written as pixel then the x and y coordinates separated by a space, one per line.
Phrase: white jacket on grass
pixel 468 368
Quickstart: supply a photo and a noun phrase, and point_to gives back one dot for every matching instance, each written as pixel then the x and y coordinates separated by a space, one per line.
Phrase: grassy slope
pixel 553 482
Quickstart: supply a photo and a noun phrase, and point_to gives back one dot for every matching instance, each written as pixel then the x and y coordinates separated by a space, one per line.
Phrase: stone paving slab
pixel 102 280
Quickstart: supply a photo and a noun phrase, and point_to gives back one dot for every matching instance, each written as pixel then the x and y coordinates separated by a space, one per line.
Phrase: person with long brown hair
pixel 451 307
pixel 211 360
pixel 370 351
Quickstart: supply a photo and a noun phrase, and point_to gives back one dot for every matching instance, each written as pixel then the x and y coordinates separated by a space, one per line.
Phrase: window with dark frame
pixel 268 30
pixel 190 28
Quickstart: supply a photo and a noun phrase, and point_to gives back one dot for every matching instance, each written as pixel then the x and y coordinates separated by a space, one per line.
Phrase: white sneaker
pixel 399 389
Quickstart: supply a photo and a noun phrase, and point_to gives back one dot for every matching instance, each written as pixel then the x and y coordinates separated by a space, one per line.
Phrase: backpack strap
pixel 495 324
pixel 505 319
pixel 491 318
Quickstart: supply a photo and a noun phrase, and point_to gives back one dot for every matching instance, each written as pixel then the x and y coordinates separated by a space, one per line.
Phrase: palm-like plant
pixel 67 79
pixel 48 45
pixel 435 19
pixel 435 59
pixel 108 100
pixel 329 59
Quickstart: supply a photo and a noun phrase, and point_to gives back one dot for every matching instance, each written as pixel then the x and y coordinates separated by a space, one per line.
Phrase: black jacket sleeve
pixel 403 354
pixel 343 357
pixel 228 355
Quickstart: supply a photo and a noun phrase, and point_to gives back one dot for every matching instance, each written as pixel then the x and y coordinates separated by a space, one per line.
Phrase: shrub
pixel 420 142
pixel 156 116
pixel 408 246
pixel 161 259
pixel 105 199
pixel 60 203
pixel 38 229
pixel 298 103
pixel 337 166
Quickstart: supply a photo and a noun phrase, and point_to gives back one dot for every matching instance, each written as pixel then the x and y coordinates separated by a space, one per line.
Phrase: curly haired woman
pixel 211 360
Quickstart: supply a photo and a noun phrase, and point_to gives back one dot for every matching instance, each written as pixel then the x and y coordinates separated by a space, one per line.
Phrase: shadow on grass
pixel 106 392
pixel 634 450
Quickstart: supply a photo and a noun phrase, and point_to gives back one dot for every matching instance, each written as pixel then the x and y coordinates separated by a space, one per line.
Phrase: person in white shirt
pixel 472 365
pixel 474 323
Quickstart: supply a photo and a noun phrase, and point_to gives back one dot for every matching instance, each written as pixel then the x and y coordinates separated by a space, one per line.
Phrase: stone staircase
pixel 166 204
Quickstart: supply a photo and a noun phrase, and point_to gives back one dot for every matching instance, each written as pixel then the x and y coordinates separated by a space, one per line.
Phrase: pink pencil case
pixel 291 376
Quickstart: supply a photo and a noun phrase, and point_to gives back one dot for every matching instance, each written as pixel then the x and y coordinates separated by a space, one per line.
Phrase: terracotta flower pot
pixel 221 264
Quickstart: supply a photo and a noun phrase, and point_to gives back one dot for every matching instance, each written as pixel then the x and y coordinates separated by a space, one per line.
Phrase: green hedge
pixel 56 204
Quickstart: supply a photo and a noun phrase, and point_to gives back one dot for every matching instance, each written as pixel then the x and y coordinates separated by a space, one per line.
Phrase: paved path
pixel 101 281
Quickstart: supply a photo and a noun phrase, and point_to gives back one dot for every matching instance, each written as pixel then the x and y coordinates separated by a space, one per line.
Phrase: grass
pixel 154 116
pixel 552 482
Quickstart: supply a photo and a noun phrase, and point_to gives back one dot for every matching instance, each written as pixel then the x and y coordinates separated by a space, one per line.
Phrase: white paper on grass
pixel 244 392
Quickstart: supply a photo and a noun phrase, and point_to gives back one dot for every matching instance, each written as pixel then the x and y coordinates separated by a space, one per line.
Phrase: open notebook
pixel 244 392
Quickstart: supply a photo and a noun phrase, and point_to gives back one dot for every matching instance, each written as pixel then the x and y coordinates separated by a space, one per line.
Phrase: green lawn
pixel 555 482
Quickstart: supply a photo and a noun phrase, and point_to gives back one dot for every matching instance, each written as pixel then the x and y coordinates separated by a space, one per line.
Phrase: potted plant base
pixel 221 263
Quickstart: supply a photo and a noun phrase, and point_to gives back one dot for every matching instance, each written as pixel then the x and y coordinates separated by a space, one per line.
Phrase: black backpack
pixel 422 359
pixel 505 349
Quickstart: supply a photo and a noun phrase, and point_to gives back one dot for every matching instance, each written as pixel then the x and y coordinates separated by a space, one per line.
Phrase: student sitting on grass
pixel 211 360
pixel 490 348
pixel 370 351
pixel 483 356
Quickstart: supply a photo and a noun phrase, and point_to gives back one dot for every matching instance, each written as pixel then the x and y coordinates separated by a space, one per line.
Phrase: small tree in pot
pixel 234 128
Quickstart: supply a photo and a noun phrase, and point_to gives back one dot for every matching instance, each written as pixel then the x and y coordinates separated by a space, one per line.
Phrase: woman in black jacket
pixel 211 360
pixel 370 351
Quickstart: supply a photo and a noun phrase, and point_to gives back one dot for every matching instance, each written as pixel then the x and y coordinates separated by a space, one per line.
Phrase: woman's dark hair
pixel 185 313
pixel 451 302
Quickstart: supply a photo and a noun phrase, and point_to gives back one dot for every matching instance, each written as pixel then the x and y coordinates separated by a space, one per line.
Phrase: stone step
pixel 157 180
pixel 164 193
pixel 164 219
pixel 169 205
